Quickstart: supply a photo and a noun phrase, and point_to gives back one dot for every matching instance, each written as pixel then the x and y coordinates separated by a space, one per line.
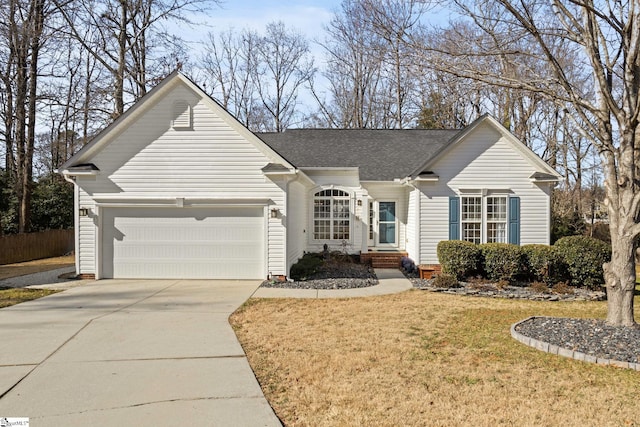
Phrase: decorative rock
pixel 587 340
pixel 343 275
pixel 510 292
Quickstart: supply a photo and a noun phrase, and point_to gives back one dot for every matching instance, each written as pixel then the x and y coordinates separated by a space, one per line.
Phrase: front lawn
pixel 12 296
pixel 422 358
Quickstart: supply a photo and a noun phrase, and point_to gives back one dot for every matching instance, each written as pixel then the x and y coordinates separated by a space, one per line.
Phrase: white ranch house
pixel 178 188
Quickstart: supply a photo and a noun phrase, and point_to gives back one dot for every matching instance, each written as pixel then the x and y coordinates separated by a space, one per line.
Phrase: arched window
pixel 331 217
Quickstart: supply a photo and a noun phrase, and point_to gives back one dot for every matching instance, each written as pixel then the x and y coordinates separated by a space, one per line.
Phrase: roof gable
pixel 538 164
pixel 174 80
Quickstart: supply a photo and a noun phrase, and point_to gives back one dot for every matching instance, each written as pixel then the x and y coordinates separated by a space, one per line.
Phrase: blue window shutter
pixel 514 220
pixel 454 218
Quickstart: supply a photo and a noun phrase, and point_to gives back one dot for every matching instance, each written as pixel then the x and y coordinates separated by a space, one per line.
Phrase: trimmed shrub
pixel 539 287
pixel 446 281
pixel 563 288
pixel 502 261
pixel 584 257
pixel 306 266
pixel 544 264
pixel 458 258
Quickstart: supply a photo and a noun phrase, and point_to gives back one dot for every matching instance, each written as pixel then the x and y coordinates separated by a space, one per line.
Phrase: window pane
pixel 471 208
pixel 496 232
pixel 496 208
pixel 341 208
pixel 322 208
pixel 371 216
pixel 341 230
pixel 471 232
pixel 387 233
pixel 322 229
pixel 387 211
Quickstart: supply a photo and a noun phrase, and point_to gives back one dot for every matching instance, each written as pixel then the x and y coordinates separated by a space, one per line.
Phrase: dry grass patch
pixel 13 296
pixel 37 266
pixel 422 358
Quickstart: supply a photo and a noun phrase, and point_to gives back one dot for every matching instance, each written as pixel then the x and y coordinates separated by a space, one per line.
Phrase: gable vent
pixel 181 115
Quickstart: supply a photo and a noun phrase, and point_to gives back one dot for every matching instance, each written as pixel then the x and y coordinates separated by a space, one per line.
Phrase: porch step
pixel 382 259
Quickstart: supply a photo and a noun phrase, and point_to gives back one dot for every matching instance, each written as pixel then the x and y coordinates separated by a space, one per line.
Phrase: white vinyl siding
pixel 149 160
pixel 483 160
pixel 86 233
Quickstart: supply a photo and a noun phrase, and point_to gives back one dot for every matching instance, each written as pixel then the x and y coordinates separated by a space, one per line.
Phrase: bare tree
pixel 394 21
pixel 229 65
pixel 284 66
pixel 22 32
pixel 121 34
pixel 578 41
pixel 354 69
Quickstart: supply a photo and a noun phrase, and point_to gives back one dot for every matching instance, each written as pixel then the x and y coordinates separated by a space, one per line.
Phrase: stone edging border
pixel 565 352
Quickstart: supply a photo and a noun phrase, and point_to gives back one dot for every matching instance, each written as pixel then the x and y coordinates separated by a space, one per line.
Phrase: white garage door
pixel 183 243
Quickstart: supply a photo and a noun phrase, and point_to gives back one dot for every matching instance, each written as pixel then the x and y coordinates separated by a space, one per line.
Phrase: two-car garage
pixel 183 242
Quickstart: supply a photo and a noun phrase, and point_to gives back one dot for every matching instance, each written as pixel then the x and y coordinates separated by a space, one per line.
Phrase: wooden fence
pixel 30 246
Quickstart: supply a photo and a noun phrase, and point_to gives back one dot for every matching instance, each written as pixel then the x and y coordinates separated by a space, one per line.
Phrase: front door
pixel 387 224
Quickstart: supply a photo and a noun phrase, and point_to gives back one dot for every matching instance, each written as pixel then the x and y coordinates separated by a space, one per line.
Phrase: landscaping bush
pixel 502 261
pixel 306 266
pixel 446 281
pixel 584 257
pixel 458 258
pixel 539 287
pixel 544 264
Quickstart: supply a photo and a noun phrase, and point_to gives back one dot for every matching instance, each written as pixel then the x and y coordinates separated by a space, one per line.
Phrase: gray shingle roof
pixel 381 155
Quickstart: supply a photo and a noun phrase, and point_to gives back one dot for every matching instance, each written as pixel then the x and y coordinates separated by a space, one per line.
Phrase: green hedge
pixel 306 266
pixel 544 264
pixel 459 258
pixel 502 261
pixel 584 257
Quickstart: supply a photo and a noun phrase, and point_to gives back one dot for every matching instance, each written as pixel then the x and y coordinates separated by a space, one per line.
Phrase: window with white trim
pixel 471 219
pixel 496 219
pixel 483 219
pixel 331 215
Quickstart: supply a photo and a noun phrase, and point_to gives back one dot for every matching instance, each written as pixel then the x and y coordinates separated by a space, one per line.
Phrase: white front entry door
pixel 387 224
pixel 383 224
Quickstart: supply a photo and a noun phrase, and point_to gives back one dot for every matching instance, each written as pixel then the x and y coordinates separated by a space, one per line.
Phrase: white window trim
pixel 485 219
pixel 484 194
pixel 312 217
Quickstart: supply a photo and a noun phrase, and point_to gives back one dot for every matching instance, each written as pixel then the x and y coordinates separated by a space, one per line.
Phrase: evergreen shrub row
pixel 574 259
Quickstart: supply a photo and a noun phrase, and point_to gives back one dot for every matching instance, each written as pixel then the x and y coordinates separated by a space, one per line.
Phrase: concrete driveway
pixel 130 352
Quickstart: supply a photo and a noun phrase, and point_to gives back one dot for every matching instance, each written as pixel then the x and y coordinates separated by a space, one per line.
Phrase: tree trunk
pixel 122 48
pixel 620 273
pixel 620 276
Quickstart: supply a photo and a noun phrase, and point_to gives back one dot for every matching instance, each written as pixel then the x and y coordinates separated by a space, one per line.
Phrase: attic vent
pixel 181 115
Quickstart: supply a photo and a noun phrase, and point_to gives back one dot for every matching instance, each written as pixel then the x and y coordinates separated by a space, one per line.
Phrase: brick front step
pixel 382 259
